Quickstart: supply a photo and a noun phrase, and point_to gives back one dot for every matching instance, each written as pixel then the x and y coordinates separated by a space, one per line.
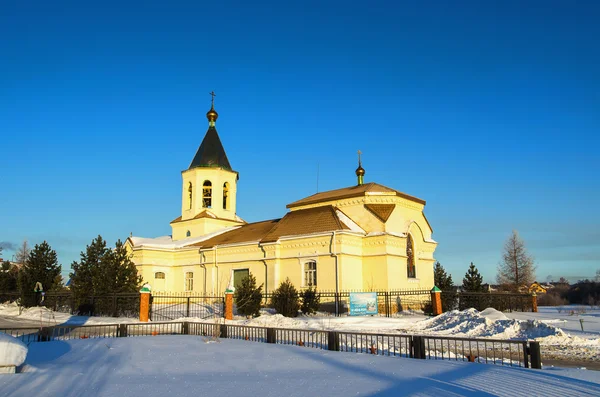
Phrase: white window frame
pixel 314 271
pixel 185 282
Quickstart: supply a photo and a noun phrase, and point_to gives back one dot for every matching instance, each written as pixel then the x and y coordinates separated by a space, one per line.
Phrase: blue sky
pixel 490 111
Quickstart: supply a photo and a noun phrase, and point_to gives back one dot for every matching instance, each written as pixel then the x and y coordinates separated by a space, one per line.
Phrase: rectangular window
pixel 238 276
pixel 310 274
pixel 189 281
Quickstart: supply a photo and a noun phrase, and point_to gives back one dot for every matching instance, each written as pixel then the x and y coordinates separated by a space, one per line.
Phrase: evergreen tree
pixel 473 280
pixel 311 300
pixel 127 277
pixel 8 277
pixel 248 296
pixel 442 279
pixel 87 272
pixel 285 299
pixel 41 265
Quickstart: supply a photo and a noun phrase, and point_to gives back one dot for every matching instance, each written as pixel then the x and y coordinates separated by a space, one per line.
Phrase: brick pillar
pixel 228 306
pixel 145 303
pixel 534 303
pixel 436 301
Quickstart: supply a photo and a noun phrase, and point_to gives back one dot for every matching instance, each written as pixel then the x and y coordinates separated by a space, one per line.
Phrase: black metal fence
pixel 389 303
pixel 501 301
pixel 171 306
pixel 519 353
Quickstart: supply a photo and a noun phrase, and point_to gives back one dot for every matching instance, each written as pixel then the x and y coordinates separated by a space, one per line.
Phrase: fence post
pixel 122 331
pixel 333 341
pixel 145 303
pixel 271 335
pixel 534 307
pixel 388 309
pixel 418 347
pixel 187 310
pixel 228 306
pixel 536 355
pixel 115 312
pixel 436 301
pixel 44 334
pixel 185 328
pixel 223 330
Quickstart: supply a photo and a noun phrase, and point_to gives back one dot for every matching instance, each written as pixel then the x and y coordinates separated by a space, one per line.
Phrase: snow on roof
pixel 166 242
pixel 349 222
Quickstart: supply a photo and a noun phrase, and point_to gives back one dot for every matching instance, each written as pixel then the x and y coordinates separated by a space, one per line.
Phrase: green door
pixel 238 275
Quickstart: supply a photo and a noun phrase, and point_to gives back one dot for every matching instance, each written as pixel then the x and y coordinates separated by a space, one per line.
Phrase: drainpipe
pixel 333 253
pixel 203 266
pixel 264 261
pixel 217 267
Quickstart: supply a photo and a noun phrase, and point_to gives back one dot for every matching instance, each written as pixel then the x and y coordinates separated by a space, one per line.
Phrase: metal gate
pixel 170 306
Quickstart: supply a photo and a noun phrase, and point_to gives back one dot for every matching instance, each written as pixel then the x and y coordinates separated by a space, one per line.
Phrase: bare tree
pixel 517 267
pixel 22 253
pixel 598 275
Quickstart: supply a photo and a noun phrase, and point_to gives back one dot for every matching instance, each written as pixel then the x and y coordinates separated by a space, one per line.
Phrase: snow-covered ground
pixel 557 329
pixel 194 366
pixel 41 316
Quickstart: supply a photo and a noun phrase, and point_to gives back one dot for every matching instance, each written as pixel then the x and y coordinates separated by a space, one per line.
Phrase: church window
pixel 226 196
pixel 410 258
pixel 190 192
pixel 159 275
pixel 310 274
pixel 189 281
pixel 207 194
pixel 188 234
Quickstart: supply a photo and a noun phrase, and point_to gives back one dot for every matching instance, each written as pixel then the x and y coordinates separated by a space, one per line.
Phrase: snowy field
pixel 194 366
pixel 557 329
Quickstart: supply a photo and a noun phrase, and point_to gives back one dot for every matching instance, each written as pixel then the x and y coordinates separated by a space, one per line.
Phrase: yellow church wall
pixel 374 272
pixel 199 227
pixel 217 177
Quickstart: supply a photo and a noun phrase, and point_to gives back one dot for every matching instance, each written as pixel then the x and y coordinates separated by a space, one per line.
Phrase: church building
pixel 362 237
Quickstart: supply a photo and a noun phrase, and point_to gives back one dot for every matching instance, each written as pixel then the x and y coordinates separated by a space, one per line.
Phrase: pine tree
pixel 87 272
pixel 40 266
pixel 248 296
pixel 311 300
pixel 517 267
pixel 285 299
pixel 8 277
pixel 127 277
pixel 473 280
pixel 442 279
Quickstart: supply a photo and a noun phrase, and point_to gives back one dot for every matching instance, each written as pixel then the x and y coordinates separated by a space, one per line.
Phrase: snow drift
pixel 12 350
pixel 489 323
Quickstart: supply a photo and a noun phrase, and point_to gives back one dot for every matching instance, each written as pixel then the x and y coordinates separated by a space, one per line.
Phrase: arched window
pixel 190 192
pixel 410 258
pixel 207 194
pixel 188 234
pixel 310 274
pixel 226 196
pixel 159 275
pixel 189 281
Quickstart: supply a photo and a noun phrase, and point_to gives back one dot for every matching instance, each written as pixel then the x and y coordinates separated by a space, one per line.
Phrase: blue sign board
pixel 363 303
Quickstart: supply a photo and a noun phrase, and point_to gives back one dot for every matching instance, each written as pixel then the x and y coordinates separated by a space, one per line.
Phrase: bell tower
pixel 209 188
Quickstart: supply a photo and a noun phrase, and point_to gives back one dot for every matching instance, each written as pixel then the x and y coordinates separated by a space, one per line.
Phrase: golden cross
pixel 212 101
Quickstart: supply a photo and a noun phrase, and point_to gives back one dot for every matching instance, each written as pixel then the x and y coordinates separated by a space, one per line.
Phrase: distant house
pixel 537 288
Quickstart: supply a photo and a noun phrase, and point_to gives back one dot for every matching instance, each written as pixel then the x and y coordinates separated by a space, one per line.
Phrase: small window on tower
pixel 207 194
pixel 226 196
pixel 188 234
pixel 190 190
